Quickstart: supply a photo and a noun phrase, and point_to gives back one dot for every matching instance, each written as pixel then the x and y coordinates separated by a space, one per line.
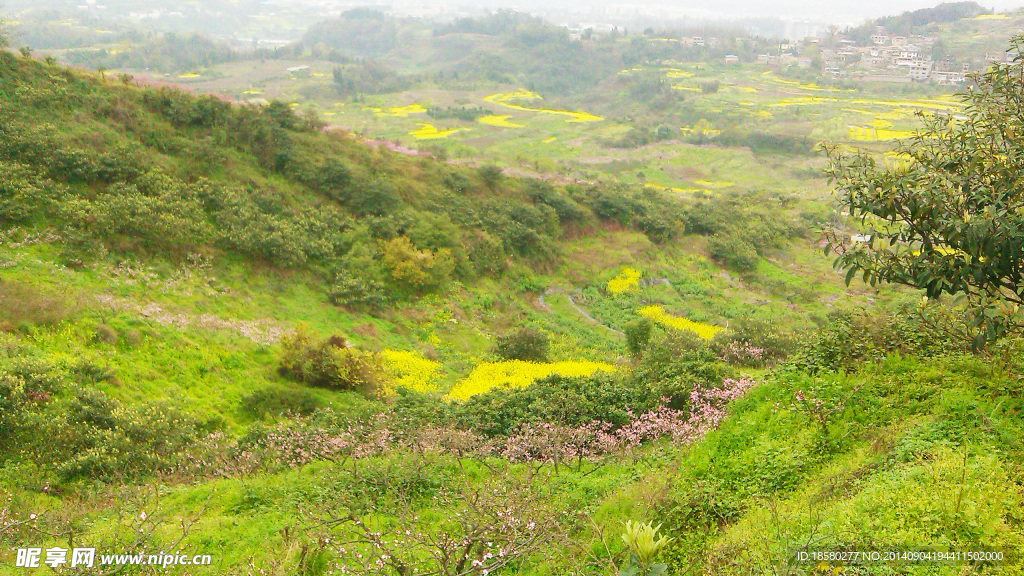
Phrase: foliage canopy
pixel 951 219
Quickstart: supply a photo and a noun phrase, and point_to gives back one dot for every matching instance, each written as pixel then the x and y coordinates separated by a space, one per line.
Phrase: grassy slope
pixel 926 453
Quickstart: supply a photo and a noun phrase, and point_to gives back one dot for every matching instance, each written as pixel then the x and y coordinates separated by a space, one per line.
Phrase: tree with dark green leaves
pixel 948 216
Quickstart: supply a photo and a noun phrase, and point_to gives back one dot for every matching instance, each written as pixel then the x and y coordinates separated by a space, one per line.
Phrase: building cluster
pixel 883 58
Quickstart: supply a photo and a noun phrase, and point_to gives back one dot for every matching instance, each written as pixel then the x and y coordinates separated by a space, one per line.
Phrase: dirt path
pixel 543 305
pixel 265 332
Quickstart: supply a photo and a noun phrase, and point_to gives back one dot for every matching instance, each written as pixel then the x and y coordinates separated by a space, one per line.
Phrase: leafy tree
pixel 638 334
pixel 417 270
pixel 527 344
pixel 949 220
pixel 733 251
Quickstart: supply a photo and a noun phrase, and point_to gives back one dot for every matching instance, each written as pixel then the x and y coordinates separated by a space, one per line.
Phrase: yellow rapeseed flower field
pixel 429 132
pixel 658 314
pixel 870 134
pixel 499 121
pixel 677 73
pixel 410 370
pixel 519 373
pixel 710 184
pixel 628 280
pixel 505 98
pixel 403 111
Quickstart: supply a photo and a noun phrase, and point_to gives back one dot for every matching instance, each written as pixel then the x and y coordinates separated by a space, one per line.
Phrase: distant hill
pixel 907 22
pixel 159 173
pixel 945 12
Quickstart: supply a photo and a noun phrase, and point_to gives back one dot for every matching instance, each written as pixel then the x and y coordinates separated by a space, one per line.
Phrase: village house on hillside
pixel 881 58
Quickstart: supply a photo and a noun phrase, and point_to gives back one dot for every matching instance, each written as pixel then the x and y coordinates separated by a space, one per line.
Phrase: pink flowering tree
pixel 819 399
pixel 485 527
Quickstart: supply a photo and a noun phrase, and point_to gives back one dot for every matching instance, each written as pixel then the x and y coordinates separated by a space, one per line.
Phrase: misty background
pixel 285 20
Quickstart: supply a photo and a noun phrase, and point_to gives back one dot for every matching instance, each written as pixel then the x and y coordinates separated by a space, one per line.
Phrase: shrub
pixel 848 339
pixel 557 399
pixel 567 209
pixel 105 334
pixel 486 255
pixel 638 334
pixel 733 252
pixel 755 343
pixel 709 87
pixel 23 194
pixel 87 372
pixel 417 271
pixel 357 293
pixel 673 363
pixel 329 364
pixel 274 401
pixel 527 344
pixel 100 439
pixel 26 384
pixel 491 175
pixel 376 197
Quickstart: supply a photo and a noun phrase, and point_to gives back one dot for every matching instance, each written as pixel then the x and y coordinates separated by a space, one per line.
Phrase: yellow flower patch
pixel 189 75
pixel 710 184
pixel 518 373
pixel 870 134
pixel 499 121
pixel 403 111
pixel 412 371
pixel 628 280
pixel 658 314
pixel 429 132
pixel 677 73
pixel 505 98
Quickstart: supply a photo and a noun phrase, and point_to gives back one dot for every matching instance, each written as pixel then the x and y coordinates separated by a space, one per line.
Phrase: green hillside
pixel 229 330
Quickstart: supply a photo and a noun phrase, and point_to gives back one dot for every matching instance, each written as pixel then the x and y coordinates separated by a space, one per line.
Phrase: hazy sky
pixel 839 12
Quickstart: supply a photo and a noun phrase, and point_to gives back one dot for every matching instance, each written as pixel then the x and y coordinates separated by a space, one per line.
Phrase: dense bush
pixel 357 292
pixel 755 343
pixel 275 401
pixel 849 339
pixel 673 363
pixel 654 213
pixel 567 209
pixel 24 194
pixel 557 399
pixel 638 334
pixel 527 344
pixel 26 386
pixel 329 364
pixel 768 143
pixel 416 271
pixel 99 438
pixel 81 432
pixel 733 252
